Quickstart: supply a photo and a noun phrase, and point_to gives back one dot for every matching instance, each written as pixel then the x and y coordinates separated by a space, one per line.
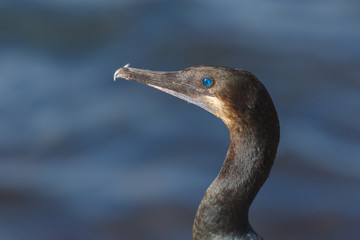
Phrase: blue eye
pixel 207 82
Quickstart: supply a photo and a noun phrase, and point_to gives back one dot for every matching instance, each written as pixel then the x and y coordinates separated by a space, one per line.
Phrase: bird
pixel 242 102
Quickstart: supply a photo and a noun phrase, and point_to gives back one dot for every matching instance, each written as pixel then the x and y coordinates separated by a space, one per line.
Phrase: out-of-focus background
pixel 84 157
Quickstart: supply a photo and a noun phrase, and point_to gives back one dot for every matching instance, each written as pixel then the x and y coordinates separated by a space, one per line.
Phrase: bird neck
pixel 223 212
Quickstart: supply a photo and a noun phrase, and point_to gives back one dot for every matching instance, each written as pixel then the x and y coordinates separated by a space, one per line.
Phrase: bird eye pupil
pixel 207 82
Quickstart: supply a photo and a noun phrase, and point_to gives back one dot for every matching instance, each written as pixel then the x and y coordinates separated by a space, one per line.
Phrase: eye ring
pixel 208 82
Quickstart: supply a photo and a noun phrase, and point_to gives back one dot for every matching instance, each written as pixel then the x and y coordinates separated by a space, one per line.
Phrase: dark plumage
pixel 242 102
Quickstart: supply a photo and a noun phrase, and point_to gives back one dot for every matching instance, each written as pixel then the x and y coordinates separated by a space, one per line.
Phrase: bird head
pixel 228 93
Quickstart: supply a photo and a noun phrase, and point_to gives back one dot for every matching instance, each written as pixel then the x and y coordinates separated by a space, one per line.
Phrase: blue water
pixel 83 157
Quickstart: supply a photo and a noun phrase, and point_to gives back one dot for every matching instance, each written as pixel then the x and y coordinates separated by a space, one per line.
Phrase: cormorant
pixel 241 101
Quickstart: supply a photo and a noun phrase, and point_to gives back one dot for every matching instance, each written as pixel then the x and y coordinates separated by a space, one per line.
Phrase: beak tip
pixel 115 74
pixel 118 72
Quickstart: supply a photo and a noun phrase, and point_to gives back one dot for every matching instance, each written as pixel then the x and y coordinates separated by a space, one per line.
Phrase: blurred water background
pixel 83 157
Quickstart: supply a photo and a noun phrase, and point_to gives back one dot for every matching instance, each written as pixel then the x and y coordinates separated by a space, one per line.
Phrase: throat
pixel 224 209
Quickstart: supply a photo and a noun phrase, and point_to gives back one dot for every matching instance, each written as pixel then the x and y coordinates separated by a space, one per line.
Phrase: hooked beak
pixel 174 83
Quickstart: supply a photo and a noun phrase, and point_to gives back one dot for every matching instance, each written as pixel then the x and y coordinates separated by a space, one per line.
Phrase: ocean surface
pixel 84 157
